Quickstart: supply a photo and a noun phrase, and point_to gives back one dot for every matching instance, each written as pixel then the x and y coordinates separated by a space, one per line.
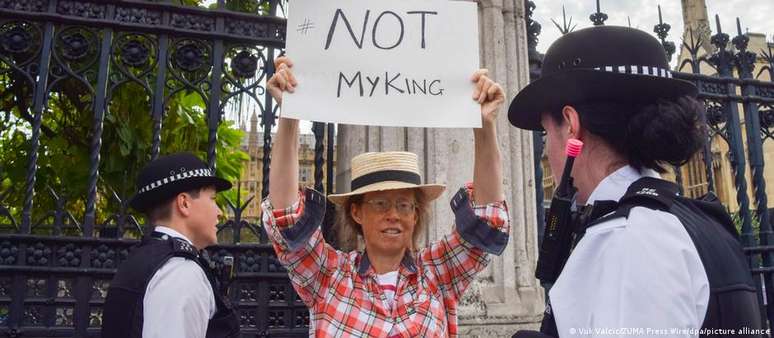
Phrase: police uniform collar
pixel 407 262
pixel 171 233
pixel 614 186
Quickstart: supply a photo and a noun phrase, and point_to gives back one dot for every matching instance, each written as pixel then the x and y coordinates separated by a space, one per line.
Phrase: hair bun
pixel 665 132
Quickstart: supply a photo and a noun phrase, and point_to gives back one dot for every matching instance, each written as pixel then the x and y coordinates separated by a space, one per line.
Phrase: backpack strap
pixel 178 246
pixel 648 192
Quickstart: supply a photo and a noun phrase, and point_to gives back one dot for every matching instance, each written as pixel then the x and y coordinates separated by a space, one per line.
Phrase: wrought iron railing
pixel 56 263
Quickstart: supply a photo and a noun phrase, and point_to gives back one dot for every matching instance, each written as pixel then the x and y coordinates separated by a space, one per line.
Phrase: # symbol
pixel 305 27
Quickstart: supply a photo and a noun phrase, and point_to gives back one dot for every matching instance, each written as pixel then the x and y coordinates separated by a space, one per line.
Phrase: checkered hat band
pixel 177 177
pixel 638 70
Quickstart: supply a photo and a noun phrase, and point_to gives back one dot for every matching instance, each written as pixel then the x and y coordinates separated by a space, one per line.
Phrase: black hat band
pixel 385 175
pixel 637 70
pixel 176 177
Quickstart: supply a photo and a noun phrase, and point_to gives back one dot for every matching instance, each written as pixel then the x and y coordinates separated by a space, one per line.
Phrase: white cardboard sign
pixel 402 63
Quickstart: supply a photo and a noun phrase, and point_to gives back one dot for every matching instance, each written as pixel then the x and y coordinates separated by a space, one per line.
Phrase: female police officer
pixel 643 269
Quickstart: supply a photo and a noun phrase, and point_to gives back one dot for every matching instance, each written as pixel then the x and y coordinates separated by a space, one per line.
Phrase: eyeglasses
pixel 382 205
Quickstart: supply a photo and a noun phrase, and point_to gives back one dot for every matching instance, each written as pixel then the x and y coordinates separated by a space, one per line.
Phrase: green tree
pixel 67 131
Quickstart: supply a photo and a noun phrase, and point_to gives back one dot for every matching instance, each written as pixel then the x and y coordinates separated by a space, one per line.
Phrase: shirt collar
pixel 407 262
pixel 614 186
pixel 172 232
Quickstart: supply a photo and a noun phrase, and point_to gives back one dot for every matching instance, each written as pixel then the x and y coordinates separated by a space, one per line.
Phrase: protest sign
pixel 389 63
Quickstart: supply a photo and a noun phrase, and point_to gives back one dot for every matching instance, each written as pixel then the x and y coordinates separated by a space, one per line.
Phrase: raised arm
pixel 292 219
pixel 482 227
pixel 283 176
pixel 487 168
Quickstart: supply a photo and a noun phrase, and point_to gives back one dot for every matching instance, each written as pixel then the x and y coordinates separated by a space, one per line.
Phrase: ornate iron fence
pixel 55 268
pixel 740 116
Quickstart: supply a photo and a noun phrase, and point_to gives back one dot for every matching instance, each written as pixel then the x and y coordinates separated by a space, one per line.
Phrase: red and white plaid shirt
pixel 342 290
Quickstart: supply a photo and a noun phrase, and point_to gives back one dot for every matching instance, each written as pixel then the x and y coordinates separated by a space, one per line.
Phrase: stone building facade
pixel 251 182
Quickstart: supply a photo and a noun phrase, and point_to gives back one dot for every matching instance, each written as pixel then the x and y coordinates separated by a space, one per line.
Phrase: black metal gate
pixel 740 114
pixel 57 257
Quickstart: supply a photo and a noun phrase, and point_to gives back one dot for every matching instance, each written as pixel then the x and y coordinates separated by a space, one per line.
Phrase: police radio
pixel 557 235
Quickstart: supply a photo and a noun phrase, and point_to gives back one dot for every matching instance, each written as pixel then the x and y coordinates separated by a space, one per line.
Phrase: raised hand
pixel 488 94
pixel 283 79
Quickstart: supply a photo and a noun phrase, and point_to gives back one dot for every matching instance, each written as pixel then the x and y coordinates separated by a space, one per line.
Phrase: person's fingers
pixel 292 78
pixel 284 68
pixel 499 97
pixel 483 85
pixel 476 77
pixel 273 82
pixel 495 92
pixel 477 74
pixel 282 60
pixel 280 79
pixel 281 66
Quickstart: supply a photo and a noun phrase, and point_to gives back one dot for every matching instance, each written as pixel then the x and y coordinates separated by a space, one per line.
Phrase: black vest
pixel 733 302
pixel 123 312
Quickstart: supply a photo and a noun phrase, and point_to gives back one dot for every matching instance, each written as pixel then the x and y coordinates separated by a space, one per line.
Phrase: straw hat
pixel 386 171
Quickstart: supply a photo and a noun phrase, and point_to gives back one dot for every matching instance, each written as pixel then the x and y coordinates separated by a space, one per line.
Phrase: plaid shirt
pixel 341 288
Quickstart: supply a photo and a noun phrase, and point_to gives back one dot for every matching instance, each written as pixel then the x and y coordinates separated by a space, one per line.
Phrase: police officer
pixel 165 288
pixel 638 264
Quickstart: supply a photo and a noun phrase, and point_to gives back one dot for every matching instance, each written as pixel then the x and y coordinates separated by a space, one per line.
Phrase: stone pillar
pixel 506 296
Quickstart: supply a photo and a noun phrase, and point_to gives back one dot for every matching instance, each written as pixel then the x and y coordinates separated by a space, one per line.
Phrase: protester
pixel 640 266
pixel 165 288
pixel 393 288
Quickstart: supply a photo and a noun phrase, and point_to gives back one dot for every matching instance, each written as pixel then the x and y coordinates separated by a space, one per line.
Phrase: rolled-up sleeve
pixel 484 226
pixel 480 229
pixel 297 239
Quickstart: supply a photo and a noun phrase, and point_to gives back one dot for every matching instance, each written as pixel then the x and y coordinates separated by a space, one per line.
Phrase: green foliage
pixel 246 6
pixel 64 154
pixel 756 224
pixel 67 132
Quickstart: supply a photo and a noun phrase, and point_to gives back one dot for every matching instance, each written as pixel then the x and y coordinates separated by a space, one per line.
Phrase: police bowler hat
pixel 170 175
pixel 598 64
